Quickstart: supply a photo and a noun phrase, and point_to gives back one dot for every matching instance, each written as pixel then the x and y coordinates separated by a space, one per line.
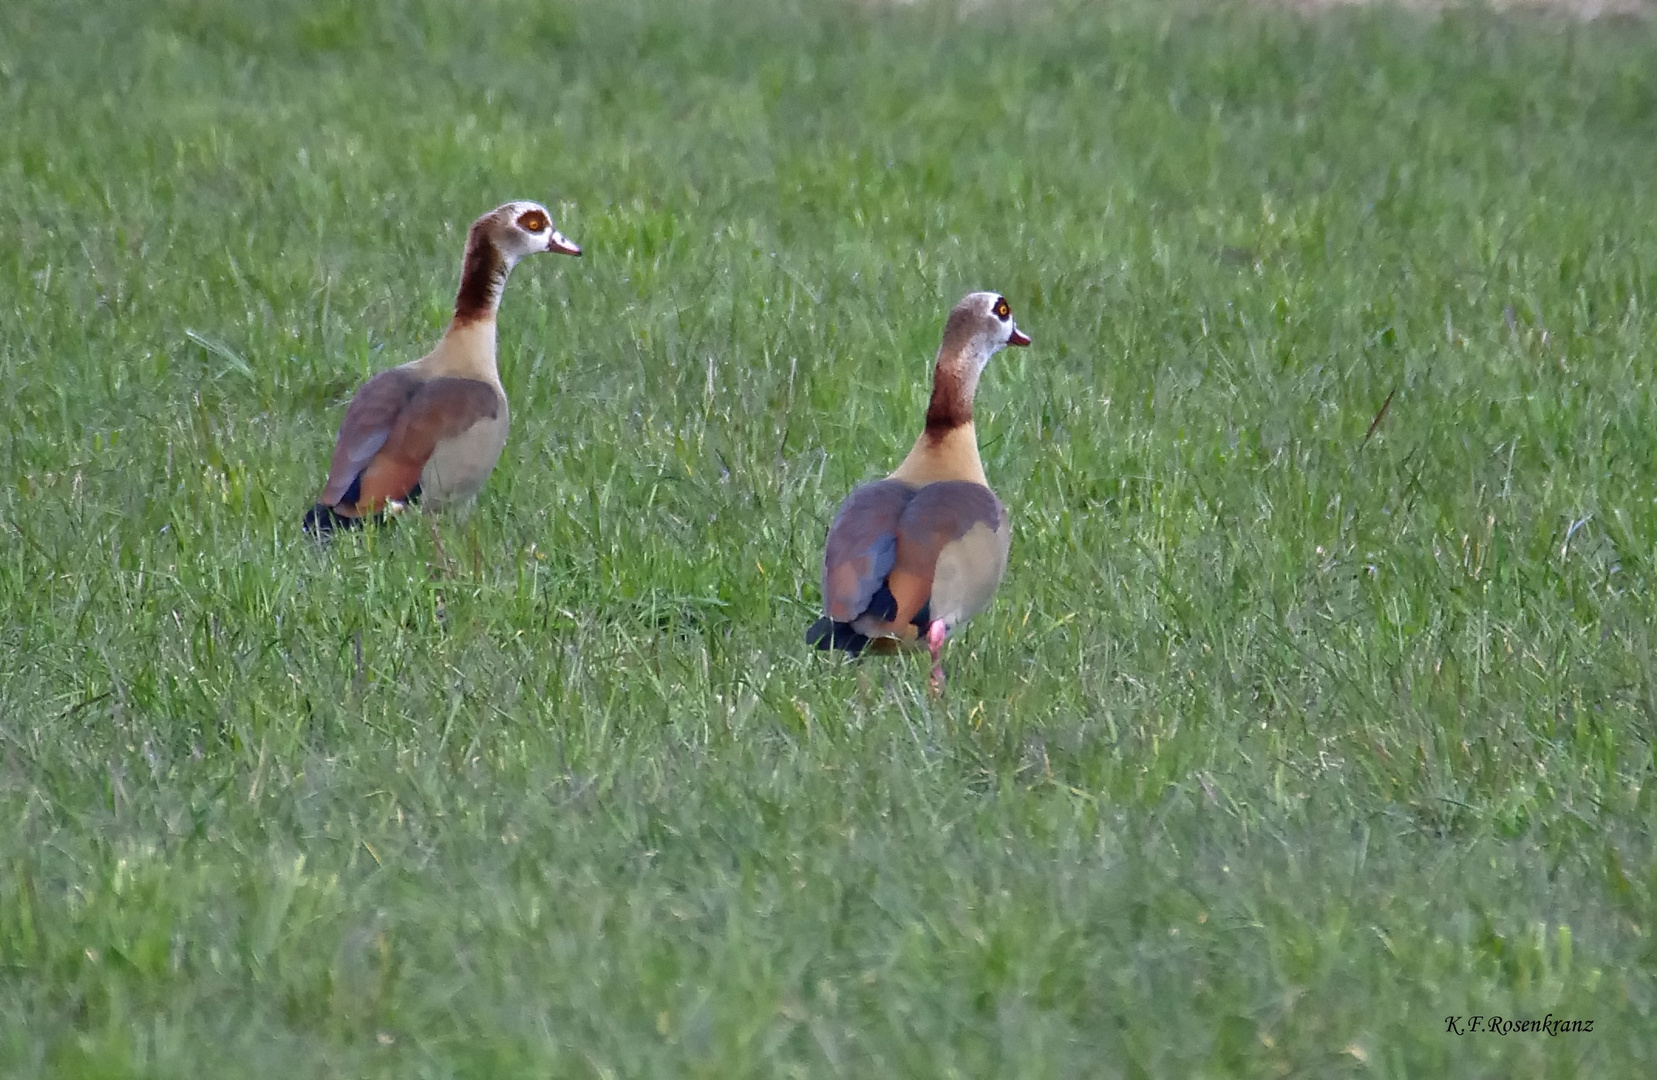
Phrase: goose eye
pixel 1002 311
pixel 533 221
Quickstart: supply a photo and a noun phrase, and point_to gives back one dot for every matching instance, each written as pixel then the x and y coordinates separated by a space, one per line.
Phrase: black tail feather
pixel 825 633
pixel 882 605
pixel 321 520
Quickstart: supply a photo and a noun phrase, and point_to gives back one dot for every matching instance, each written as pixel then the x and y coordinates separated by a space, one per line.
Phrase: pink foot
pixel 437 541
pixel 935 642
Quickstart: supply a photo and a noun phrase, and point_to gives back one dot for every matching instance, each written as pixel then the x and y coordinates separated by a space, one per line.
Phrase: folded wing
pixel 899 556
pixel 951 554
pixel 390 430
pixel 861 550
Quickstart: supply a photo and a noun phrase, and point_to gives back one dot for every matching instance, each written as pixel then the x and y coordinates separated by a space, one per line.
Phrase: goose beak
pixel 561 244
pixel 1019 337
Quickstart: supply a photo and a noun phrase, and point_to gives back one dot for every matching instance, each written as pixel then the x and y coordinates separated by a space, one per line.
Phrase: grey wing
pixel 862 548
pixel 369 418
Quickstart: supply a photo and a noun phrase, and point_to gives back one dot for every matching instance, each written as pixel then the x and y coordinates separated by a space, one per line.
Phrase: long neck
pixel 949 455
pixel 948 447
pixel 467 351
pixel 954 385
pixel 468 346
pixel 482 277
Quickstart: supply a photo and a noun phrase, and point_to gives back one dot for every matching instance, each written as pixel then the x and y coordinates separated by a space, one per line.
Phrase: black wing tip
pixel 826 634
pixel 883 605
pixel 321 520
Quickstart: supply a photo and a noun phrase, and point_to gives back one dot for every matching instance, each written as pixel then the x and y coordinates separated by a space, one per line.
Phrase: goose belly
pixel 968 571
pixel 460 464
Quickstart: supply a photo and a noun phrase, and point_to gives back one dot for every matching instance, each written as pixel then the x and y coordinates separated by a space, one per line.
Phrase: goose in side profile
pixel 915 555
pixel 433 428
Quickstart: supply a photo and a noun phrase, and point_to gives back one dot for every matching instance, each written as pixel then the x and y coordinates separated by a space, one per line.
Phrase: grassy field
pixel 1284 740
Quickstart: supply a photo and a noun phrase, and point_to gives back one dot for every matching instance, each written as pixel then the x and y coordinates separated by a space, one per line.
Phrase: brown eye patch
pixel 1002 311
pixel 533 221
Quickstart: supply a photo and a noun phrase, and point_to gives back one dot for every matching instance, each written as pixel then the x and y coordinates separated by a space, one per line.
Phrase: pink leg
pixel 438 542
pixel 935 642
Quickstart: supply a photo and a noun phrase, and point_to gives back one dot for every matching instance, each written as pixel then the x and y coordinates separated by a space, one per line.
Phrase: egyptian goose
pixel 433 428
pixel 922 551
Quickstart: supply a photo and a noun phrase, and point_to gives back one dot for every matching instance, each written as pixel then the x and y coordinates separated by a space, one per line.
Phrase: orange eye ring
pixel 533 221
pixel 1002 310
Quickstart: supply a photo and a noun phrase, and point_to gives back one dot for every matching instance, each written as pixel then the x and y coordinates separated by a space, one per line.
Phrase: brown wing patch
pixel 938 515
pixel 862 545
pixel 387 479
pixel 438 409
pixel 367 424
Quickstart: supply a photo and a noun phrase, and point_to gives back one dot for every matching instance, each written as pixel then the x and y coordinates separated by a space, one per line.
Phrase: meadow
pixel 1319 704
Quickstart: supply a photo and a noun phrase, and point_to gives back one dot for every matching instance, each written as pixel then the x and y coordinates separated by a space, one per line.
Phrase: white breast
pixel 459 465
pixel 968 571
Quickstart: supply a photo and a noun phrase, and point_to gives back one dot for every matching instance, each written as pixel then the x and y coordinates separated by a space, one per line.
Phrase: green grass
pixel 1279 745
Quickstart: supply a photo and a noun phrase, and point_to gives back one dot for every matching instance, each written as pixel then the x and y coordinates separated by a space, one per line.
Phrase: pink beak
pixel 1019 337
pixel 561 244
